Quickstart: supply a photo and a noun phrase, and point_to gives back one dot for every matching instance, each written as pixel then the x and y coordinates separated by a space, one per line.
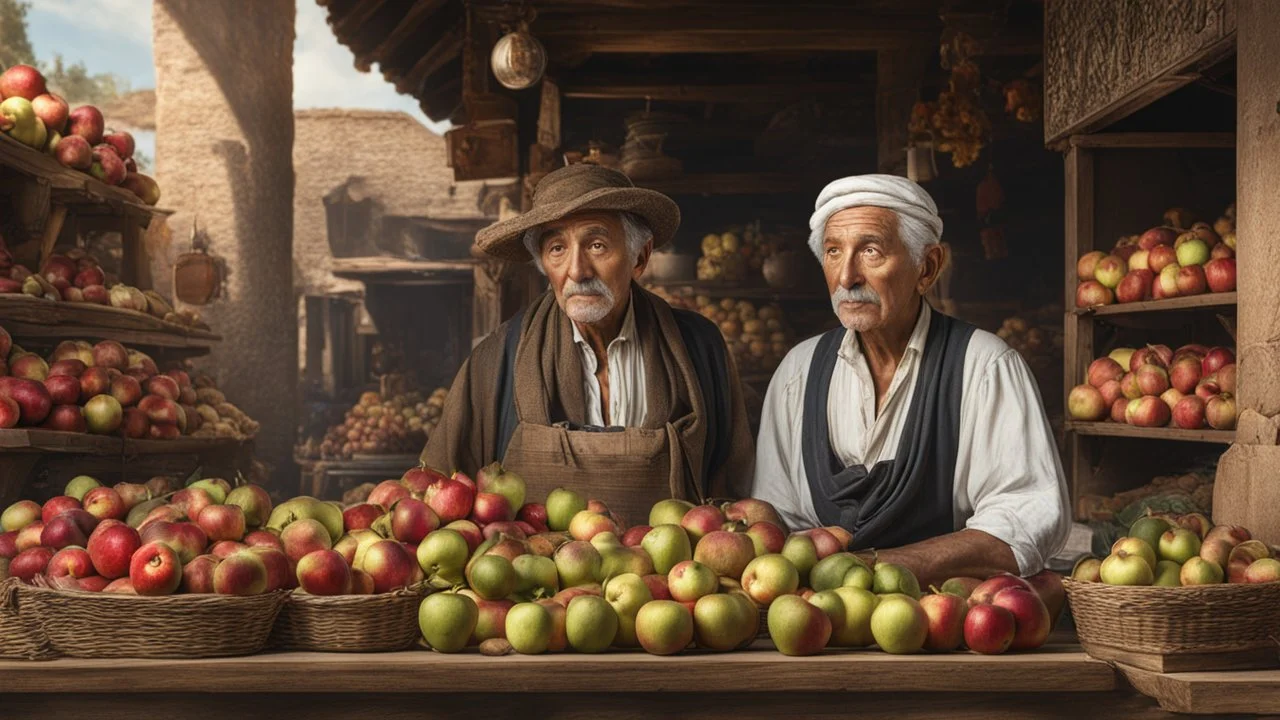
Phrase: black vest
pixel 909 498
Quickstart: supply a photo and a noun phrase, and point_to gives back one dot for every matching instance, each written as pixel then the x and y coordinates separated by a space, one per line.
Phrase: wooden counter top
pixel 1206 693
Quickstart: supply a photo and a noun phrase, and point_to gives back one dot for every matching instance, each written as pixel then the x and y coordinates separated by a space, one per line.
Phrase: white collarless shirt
pixel 628 402
pixel 1008 478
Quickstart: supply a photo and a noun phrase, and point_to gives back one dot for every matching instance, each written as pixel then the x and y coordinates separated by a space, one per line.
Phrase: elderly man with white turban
pixel 919 434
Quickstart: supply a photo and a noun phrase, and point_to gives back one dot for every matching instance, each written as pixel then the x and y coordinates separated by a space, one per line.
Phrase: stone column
pixel 224 143
pixel 1248 483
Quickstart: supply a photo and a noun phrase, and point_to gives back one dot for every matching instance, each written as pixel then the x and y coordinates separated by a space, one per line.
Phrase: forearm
pixel 966 553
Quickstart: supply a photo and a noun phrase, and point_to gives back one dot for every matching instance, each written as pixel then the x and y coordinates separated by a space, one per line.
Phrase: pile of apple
pixel 1157 387
pixel 381 426
pixel 568 574
pixel 1163 262
pixel 1176 550
pixel 757 336
pixel 78 138
pixel 105 389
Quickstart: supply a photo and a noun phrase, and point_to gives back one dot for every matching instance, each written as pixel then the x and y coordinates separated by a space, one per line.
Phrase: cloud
pixel 122 20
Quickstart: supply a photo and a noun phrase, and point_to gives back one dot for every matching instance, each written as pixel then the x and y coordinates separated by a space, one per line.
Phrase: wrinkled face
pixel 873 280
pixel 588 264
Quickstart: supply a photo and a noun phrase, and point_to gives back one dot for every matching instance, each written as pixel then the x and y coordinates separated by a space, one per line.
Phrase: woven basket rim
pixel 176 598
pixel 1223 587
pixel 355 599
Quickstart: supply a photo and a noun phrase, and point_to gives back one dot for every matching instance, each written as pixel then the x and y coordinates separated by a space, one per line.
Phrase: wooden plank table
pixel 1207 693
pixel 1057 681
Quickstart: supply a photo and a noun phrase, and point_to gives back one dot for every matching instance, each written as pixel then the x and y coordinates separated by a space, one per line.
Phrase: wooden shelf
pixel 401 271
pixel 1193 302
pixel 1110 429
pixel 71 187
pixel 1153 140
pixel 36 318
pixel 1250 692
pixel 52 441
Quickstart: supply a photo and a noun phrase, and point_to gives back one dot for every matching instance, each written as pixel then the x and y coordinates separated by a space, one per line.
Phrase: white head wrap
pixel 887 191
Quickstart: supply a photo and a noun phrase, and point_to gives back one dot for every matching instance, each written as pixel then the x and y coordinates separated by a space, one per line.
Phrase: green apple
pixel 529 628
pixel 802 553
pixel 724 621
pixel 1179 545
pixel 562 505
pixel 859 576
pixel 1192 251
pixel 443 555
pixel 1139 547
pixel 447 620
pixel 960 586
pixel 216 487
pixel 491 577
pixel 590 624
pixel 305 507
pixel 1168 574
pixel 627 593
pixel 1150 529
pixel 859 604
pixel 1198 571
pixel 493 478
pixel 536 576
pixel 664 627
pixel 79 485
pixel 891 578
pixel 797 627
pixel 899 625
pixel 833 605
pixel 769 577
pixel 668 512
pixel 667 545
pixel 829 572
pixel 1122 568
pixel 578 563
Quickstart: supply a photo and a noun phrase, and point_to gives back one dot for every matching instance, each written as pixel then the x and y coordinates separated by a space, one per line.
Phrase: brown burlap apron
pixel 629 469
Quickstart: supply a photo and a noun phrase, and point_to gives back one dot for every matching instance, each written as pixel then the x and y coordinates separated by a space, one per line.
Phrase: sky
pixel 115 36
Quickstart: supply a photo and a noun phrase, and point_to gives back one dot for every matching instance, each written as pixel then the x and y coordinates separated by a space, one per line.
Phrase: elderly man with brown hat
pixel 599 385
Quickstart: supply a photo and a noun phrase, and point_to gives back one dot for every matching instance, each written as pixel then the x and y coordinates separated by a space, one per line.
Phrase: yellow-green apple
pixel 1220 412
pixel 723 621
pixel 1138 261
pixel 946 614
pixel 891 578
pixel 802 553
pixel 664 627
pixel 1191 250
pixel 1109 271
pixel 1149 528
pixel 442 555
pixel 223 522
pixel 1137 546
pixel 899 625
pixel 1226 377
pixel 1179 545
pixel 830 571
pixel 303 537
pixel 19 515
pixel 1244 555
pixel 798 627
pixel 986 591
pixel 447 620
pixel 617 558
pixel 1263 570
pixel 1129 387
pixel 587 524
pixel 766 537
pixel 1166 282
pixel 280 576
pixel 627 593
pixel 1122 355
pixel 492 577
pixel 265 538
pixel 578 563
pixel 197 575
pixel 79 486
pixel 70 562
pixel 855 630
pixel 590 624
pixel 216 487
pixel 726 553
pixel 154 569
pixel 690 580
pixel 391 565
pixel 243 573
pixel 559 640
pixel 989 629
pixel 1048 585
pixel 562 505
pixel 493 478
pixel 1198 571
pixel 529 628
pixel 1087 265
pixel 469 530
pixel 702 520
pixel 960 586
pixel 667 545
pixel 324 572
pixel 30 562
pixel 1032 621
pixel 768 577
pixel 751 511
pixel 824 541
pixel 254 501
pixel 536 576
pixel 1171 397
pixel 1123 568
pixel 1135 286
pixel 833 605
pixel 1220 274
pixel 1085 402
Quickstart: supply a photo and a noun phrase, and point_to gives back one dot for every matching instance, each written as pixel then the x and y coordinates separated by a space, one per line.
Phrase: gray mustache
pixel 859 293
pixel 594 286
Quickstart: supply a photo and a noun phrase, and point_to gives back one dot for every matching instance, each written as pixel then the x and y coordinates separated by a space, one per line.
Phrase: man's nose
pixel 850 274
pixel 579 267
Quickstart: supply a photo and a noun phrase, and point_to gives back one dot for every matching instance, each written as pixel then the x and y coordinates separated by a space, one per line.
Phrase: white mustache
pixel 859 294
pixel 592 287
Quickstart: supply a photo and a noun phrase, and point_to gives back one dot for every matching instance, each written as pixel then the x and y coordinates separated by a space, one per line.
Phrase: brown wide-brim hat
pixel 581 188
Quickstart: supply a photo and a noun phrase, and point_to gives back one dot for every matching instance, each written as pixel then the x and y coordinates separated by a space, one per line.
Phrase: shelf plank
pixel 29 317
pixel 1140 140
pixel 53 441
pixel 1209 693
pixel 1110 429
pixel 1192 302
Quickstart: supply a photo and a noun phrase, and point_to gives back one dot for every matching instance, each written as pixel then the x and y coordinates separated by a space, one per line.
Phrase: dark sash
pixel 909 498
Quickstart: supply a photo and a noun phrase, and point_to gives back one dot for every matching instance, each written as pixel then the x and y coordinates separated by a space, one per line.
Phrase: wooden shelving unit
pixel 1194 302
pixel 52 441
pixel 1110 429
pixel 29 317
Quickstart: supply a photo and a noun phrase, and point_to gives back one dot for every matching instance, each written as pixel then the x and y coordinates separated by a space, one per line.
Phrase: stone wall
pixel 224 143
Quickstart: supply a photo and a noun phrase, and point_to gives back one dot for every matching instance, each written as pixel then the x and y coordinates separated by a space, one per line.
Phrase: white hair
pixel 917 236
pixel 634 227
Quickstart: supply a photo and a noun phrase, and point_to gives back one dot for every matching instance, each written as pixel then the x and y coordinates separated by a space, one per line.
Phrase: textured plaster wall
pixel 224 143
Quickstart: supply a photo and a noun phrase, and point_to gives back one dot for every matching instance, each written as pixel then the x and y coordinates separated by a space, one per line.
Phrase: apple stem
pixel 934 589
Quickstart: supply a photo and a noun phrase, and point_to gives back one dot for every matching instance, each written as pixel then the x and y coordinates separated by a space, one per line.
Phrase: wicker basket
pixel 105 625
pixel 19 640
pixel 349 623
pixel 1197 624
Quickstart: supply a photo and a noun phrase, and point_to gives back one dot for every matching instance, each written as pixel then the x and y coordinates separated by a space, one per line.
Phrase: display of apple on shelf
pixel 1159 387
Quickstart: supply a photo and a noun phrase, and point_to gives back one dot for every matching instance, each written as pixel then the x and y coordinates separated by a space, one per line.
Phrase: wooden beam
pixel 743 93
pixel 406 29
pixel 747 30
pixel 439 55
pixel 350 21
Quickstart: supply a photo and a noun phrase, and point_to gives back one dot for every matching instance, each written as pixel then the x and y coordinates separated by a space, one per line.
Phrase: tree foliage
pixel 73 82
pixel 15 46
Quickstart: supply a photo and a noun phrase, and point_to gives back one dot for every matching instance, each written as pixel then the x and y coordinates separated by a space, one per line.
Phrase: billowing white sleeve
pixel 1009 463
pixel 776 453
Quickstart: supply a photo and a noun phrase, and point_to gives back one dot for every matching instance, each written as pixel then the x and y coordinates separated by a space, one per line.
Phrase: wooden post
pixel 1077 339
pixel 1246 492
pixel 899 73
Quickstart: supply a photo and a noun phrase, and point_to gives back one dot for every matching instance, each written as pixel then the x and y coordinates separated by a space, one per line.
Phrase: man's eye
pixel 871 252
pixel 555 249
pixel 598 246
pixel 833 251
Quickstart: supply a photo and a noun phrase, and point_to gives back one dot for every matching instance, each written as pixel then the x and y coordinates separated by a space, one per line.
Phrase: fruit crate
pixel 349 623
pixel 1179 629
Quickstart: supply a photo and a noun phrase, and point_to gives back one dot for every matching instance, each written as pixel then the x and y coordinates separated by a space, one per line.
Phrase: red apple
pixel 62 531
pixel 164 386
pixel 986 591
pixel 1048 585
pixel 186 539
pixel 126 390
pixel 1135 286
pixel 1215 359
pixel 361 516
pixel 1220 274
pixel 701 520
pixel 450 498
pixel 1185 374
pixel 418 479
pixel 824 541
pixel 197 575
pixel 67 367
pixel 535 514
pixel 1189 413
pixel 8 544
pixel 155 569
pixel 110 546
pixel 491 507
pixel 1092 293
pixel 66 418
pixel 1151 379
pixel 304 536
pixel 136 424
pixel 1220 412
pixel 324 572
pixel 110 354
pixel 946 615
pixel 1104 369
pixel 1160 256
pixel 221 522
pixel 263 538
pixel 387 492
pixel 22 81
pixel 1157 236
pixel 411 520
pixel 31 397
pixel 1208 389
pixel 121 142
pixel 1086 403
pixel 1148 411
pixel 30 563
pixel 280 572
pixel 10 413
pixel 1087 264
pixel 1226 378
pixel 159 410
pixel 94 381
pixel 633 535
pixel 105 503
pixel 989 629
pixel 1111 392
pixel 1031 617
pixel 70 562
pixel 29 536
pixel 390 565
pixel 243 573
pixel 63 389
pixel 1158 355
pixel 86 121
pixel 1191 280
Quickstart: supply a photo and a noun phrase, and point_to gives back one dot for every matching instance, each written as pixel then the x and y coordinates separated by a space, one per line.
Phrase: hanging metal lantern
pixel 518 59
